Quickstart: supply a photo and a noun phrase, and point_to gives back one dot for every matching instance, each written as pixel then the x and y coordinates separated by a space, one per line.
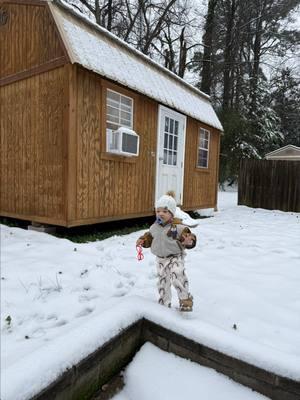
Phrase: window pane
pixel 203 163
pixel 126 101
pixel 203 154
pixel 166 141
pixel 125 115
pixel 204 134
pixel 175 143
pixel 112 111
pixel 203 143
pixel 166 124
pixel 125 118
pixel 110 118
pixel 171 125
pixel 170 142
pixel 202 158
pixel 175 158
pixel 176 128
pixel 169 158
pixel 112 126
pixel 113 103
pixel 126 123
pixel 125 108
pixel 113 96
pixel 165 156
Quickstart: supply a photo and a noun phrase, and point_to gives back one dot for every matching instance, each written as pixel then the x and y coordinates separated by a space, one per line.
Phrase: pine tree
pixel 286 102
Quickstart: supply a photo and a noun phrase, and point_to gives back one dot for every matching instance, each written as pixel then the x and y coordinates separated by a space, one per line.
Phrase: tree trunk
pixel 182 55
pixel 256 57
pixel 228 54
pixel 206 74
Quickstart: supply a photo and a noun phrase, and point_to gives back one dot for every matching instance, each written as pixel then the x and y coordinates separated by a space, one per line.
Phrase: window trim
pixel 202 148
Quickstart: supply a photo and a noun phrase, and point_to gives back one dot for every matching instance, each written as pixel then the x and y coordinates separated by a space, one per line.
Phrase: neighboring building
pixel 91 129
pixel 288 152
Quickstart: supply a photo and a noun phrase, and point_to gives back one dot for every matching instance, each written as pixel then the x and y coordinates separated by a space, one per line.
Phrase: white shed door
pixel 170 151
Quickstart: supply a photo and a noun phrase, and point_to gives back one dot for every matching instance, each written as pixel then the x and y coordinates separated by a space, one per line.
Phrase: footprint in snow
pixel 278 251
pixel 126 275
pixel 60 322
pixel 37 333
pixel 83 313
pixel 237 244
pixel 52 316
pixel 87 297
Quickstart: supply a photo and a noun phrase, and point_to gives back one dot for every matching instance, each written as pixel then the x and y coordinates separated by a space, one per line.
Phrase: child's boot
pixel 186 304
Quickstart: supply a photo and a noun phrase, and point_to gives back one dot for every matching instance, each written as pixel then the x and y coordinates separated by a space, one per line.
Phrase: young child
pixel 168 239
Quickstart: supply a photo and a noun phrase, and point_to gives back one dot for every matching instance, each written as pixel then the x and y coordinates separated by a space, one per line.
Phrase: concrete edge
pixel 89 377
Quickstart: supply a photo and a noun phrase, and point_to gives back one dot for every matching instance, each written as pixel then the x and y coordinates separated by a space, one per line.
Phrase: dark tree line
pixel 259 114
pixel 233 61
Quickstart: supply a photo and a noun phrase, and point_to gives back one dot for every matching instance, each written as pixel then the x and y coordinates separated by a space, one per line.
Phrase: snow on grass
pixel 61 300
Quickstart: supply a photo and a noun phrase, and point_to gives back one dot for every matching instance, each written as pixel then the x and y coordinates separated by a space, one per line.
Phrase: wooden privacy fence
pixel 270 184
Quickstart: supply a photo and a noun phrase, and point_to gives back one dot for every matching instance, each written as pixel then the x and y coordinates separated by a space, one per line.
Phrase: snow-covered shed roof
pixel 289 152
pixel 98 50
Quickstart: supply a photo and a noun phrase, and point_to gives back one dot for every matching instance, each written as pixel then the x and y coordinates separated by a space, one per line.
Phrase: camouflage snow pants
pixel 171 271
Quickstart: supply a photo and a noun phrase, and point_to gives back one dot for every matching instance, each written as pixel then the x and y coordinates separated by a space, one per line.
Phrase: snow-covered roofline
pixel 126 45
pixel 97 49
pixel 288 146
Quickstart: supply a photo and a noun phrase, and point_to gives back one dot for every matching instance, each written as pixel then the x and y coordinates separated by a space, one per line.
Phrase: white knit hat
pixel 168 202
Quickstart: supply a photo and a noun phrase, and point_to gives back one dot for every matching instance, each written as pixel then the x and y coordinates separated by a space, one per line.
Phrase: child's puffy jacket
pixel 166 240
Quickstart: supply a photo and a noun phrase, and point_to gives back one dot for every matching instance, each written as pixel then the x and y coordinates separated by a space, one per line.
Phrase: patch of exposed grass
pixel 14 223
pixel 90 233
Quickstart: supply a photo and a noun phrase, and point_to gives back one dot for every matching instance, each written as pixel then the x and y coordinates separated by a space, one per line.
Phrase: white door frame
pixel 174 114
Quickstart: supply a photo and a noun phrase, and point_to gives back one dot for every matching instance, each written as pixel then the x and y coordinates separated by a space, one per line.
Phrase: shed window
pixel 120 137
pixel 119 111
pixel 203 148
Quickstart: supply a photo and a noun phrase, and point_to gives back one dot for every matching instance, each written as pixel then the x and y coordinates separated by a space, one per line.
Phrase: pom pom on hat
pixel 168 202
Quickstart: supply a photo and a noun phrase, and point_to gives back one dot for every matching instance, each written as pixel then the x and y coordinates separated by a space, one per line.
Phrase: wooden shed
pixel 289 153
pixel 91 129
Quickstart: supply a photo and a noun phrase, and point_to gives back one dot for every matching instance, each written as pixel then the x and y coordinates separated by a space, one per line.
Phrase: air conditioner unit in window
pixel 122 141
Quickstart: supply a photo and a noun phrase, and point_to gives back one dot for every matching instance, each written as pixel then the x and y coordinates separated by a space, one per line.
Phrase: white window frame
pixel 119 124
pixel 205 131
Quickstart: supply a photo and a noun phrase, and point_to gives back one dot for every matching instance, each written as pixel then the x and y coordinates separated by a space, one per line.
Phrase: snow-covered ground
pixel 178 379
pixel 61 300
